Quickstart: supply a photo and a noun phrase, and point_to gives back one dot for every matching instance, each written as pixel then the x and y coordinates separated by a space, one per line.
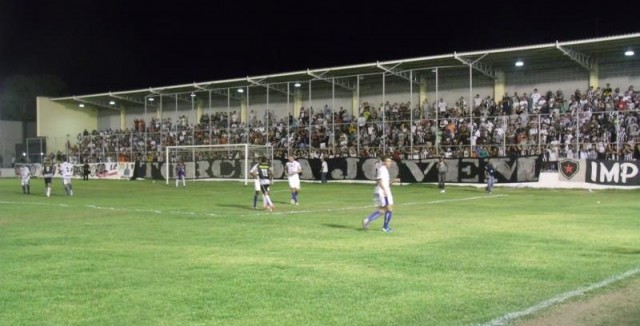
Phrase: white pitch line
pixel 119 209
pixel 370 206
pixel 258 213
pixel 509 317
pixel 440 201
pixel 30 203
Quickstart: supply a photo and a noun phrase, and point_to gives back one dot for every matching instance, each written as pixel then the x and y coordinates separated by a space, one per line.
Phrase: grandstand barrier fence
pixel 514 171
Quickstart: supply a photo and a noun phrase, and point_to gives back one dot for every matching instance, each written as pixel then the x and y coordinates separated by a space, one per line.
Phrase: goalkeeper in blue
pixel 181 174
pixel 383 197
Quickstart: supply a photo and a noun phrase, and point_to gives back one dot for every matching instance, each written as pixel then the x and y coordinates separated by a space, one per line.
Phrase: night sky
pixel 115 45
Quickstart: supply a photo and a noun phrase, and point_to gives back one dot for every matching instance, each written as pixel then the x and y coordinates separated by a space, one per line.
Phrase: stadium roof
pixel 580 53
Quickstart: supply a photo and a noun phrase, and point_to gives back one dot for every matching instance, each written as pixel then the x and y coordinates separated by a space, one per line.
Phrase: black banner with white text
pixel 462 170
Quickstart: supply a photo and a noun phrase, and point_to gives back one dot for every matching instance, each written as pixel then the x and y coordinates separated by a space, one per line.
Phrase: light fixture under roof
pixel 629 53
pixel 112 102
pixel 519 63
pixel 193 94
pixel 151 99
pixel 240 90
pixel 296 85
pixel 81 105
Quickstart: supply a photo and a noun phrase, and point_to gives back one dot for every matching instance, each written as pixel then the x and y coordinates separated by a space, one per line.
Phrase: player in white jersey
pixel 25 177
pixel 293 170
pixel 383 197
pixel 66 170
pixel 256 184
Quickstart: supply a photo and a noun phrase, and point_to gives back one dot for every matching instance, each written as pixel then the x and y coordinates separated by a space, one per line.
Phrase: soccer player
pixel 293 170
pixel 442 173
pixel 383 197
pixel 47 173
pixel 489 172
pixel 256 184
pixel 25 176
pixel 66 170
pixel 181 173
pixel 265 175
pixel 86 170
pixel 324 170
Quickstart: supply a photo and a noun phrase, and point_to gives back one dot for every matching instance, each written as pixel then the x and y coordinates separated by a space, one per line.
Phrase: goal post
pixel 242 155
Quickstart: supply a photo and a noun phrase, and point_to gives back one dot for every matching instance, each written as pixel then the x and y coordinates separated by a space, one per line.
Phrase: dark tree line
pixel 18 95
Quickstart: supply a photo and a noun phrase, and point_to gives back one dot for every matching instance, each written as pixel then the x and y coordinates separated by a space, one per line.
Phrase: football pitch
pixel 144 253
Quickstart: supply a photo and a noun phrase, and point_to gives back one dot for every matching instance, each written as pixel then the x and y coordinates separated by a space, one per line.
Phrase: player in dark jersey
pixel 47 173
pixel 86 170
pixel 489 172
pixel 265 175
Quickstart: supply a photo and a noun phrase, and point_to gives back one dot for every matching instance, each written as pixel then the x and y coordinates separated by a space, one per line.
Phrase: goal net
pixel 231 161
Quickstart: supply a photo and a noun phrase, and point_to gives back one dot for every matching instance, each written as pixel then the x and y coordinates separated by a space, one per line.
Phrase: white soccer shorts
pixel 379 199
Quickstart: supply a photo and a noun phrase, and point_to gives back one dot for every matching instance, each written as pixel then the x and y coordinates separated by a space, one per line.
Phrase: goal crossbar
pixel 188 154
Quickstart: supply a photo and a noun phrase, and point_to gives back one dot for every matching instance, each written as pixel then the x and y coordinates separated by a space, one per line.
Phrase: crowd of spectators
pixel 597 123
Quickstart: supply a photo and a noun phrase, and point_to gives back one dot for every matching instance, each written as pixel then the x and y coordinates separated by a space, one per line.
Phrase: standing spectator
pixel 442 107
pixel 66 170
pixel 506 104
pixel 85 171
pixel 442 173
pixel 607 91
pixel 25 176
pixel 569 152
pixel 535 98
pixel 477 101
pixel 383 197
pixel 47 172
pixel 293 170
pixel 489 172
pixel 324 169
pixel 554 154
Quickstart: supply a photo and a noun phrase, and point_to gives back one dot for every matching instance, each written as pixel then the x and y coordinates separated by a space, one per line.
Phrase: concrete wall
pixel 10 135
pixel 55 121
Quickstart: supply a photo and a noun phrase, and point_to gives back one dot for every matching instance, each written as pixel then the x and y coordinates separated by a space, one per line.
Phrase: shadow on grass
pixel 625 251
pixel 346 227
pixel 239 206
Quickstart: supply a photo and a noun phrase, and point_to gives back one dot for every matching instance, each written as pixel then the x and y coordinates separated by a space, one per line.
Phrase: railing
pixel 598 134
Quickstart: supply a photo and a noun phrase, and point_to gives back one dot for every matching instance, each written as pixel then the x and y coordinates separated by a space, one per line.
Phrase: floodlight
pixel 519 63
pixel 629 53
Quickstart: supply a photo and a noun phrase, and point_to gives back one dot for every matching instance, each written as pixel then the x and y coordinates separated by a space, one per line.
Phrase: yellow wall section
pixel 56 121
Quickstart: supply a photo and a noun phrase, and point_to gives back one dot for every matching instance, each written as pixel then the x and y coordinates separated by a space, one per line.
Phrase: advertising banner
pixel 604 172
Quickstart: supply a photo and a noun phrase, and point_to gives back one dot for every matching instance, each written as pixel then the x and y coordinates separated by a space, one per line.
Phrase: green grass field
pixel 143 253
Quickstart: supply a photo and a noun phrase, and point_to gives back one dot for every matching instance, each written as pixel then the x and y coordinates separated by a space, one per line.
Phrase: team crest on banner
pixel 569 168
